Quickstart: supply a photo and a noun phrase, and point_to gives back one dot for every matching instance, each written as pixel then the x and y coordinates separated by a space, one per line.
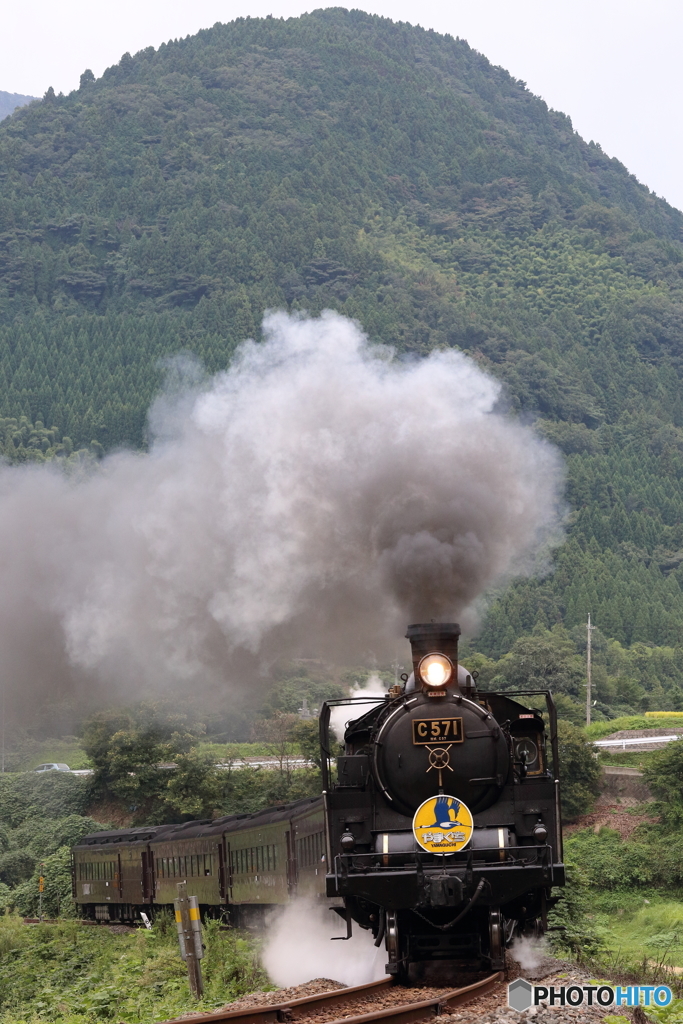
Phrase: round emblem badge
pixel 443 824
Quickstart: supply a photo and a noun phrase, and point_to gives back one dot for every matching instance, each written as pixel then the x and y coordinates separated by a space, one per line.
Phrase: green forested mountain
pixel 341 160
pixel 9 101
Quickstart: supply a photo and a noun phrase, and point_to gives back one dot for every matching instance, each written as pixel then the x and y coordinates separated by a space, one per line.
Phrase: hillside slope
pixel 341 160
pixel 9 101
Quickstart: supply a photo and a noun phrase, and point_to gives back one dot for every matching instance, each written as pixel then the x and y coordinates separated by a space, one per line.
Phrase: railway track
pixel 322 1007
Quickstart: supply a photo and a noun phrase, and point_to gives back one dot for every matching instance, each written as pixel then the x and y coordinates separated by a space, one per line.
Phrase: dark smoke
pixel 311 501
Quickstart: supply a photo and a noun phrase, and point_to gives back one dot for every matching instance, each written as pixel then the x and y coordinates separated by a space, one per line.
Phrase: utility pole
pixel 589 630
pixel 189 924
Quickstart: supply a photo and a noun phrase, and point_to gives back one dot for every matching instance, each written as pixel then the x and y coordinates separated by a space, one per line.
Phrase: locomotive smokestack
pixel 432 638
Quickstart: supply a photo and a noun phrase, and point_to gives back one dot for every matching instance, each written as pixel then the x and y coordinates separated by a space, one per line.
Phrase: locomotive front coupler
pixel 444 887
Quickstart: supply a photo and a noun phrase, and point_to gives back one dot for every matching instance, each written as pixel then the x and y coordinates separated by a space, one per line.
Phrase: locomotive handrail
pixel 324 739
pixel 541 854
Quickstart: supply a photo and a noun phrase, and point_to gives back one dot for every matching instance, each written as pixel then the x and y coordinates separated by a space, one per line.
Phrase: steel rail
pixel 408 1013
pixel 280 1011
pixel 405 1013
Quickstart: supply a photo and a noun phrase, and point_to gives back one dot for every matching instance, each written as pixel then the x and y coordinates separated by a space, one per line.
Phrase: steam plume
pixel 341 715
pixel 312 500
pixel 529 952
pixel 298 948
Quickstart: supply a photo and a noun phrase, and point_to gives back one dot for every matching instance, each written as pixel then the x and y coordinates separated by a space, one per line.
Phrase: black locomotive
pixel 439 744
pixel 456 888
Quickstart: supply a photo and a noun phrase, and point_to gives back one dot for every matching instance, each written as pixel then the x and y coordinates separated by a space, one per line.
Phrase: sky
pixel 612 65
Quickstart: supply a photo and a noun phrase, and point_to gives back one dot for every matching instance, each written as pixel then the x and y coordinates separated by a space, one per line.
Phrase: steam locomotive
pixel 444 821
pixel 439 831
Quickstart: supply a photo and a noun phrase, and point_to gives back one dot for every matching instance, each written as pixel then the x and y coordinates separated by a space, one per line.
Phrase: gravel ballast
pixel 489 1009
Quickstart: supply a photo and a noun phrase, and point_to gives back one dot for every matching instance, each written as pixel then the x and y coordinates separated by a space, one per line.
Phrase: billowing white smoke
pixel 344 713
pixel 312 500
pixel 299 947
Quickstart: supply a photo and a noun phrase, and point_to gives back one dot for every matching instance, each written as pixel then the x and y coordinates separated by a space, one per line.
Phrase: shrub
pixel 44 836
pixel 570 929
pixel 16 866
pixel 57 898
pixel 48 795
pixel 664 776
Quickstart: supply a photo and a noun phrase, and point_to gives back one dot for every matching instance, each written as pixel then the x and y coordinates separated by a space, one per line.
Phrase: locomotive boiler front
pixel 439 739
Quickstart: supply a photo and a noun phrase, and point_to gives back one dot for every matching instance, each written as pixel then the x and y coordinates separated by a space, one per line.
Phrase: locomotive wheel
pixel 392 936
pixel 540 924
pixel 395 966
pixel 496 941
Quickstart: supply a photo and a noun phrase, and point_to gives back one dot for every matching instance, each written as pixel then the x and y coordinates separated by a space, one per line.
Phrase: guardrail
pixel 270 763
pixel 636 741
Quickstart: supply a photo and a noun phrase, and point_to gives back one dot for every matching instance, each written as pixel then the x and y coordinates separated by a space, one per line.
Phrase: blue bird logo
pixel 446 812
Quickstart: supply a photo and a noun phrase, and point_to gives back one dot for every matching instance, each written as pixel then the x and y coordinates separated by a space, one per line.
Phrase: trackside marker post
pixel 189 925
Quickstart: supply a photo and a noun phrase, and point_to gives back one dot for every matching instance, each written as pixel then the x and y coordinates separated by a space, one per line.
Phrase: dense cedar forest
pixel 341 160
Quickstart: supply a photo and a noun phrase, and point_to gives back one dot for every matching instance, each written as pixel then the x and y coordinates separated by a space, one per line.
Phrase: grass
pixel 71 974
pixel 626 758
pixel 641 932
pixel 640 927
pixel 34 752
pixel 597 730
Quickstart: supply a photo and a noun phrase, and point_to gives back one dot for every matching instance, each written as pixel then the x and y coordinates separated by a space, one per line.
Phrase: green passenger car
pixel 238 866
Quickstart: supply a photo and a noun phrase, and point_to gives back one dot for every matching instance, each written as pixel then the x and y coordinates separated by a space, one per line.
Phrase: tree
pixel 568 710
pixel 277 734
pixel 306 734
pixel 288 693
pixel 545 660
pixel 195 788
pixel 579 772
pixel 146 759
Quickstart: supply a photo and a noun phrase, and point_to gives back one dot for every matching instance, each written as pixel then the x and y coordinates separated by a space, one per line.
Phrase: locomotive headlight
pixel 435 670
pixel 347 842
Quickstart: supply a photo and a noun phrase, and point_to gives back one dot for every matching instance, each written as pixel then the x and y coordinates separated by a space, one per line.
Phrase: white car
pixel 54 766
